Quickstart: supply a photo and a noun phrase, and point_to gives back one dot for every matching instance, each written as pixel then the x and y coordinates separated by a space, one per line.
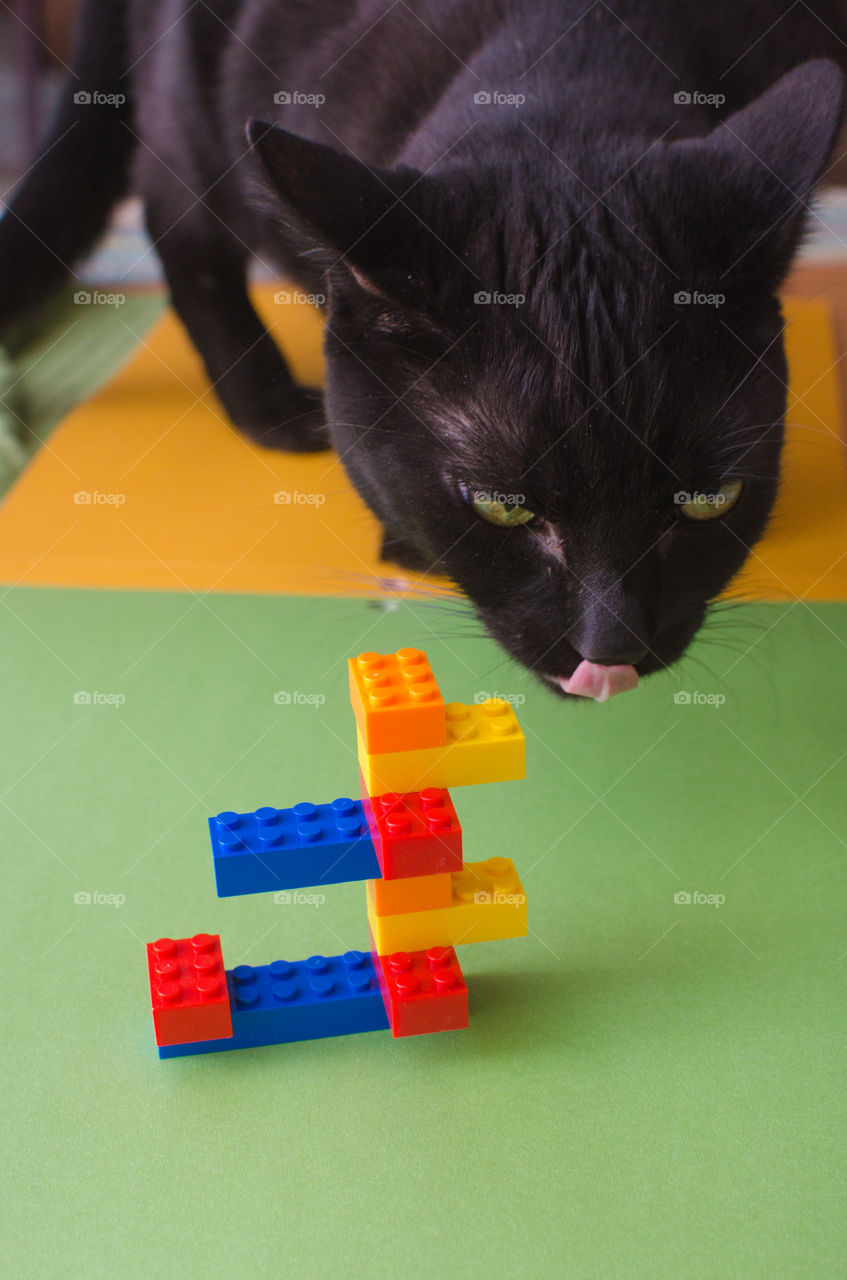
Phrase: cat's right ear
pixel 746 185
pixel 344 213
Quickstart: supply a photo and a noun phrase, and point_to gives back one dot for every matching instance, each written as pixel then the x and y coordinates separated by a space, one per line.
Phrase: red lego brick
pixel 417 834
pixel 397 704
pixel 188 989
pixel 423 991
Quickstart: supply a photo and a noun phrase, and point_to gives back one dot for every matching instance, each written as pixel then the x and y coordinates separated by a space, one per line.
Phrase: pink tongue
pixel 590 680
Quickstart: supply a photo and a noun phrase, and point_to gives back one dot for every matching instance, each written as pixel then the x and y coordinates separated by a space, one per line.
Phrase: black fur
pixel 598 200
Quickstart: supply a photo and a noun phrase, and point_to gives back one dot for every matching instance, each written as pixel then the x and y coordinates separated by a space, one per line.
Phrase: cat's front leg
pixel 205 267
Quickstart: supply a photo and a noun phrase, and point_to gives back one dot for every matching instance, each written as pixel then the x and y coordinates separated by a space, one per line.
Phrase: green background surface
pixel 646 1088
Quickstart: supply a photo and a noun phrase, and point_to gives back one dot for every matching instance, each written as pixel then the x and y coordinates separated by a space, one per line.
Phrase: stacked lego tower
pixel 402 838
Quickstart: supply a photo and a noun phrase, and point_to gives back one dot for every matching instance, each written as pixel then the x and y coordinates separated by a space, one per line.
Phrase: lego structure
pixel 403 838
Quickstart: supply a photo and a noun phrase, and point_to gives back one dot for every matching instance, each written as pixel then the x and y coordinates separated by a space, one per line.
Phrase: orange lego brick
pixel 397 704
pixel 412 893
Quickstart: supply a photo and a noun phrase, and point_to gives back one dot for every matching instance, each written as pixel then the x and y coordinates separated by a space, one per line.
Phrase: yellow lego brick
pixel 397 704
pixel 487 903
pixel 485 743
pixel 412 893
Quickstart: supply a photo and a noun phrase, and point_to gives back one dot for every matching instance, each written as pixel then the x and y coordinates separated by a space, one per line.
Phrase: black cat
pixel 550 234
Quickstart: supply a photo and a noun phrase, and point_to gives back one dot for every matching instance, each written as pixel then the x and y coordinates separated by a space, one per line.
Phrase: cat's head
pixel 567 392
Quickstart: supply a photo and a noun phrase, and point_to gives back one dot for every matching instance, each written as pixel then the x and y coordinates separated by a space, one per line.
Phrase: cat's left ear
pixel 754 173
pixel 370 221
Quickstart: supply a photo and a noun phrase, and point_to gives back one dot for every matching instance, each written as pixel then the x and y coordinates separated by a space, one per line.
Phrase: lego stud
pixel 399 961
pixel 206 965
pixel 438 956
pixel 245 981
pixel 460 723
pixel 266 817
pixel 308 824
pixel 445 978
pixel 380 697
pixel 498 716
pixel 208 986
pixel 407 983
pixel 164 949
pixel 170 992
pixel 438 819
pixel 370 662
pixel 228 837
pixel 431 798
pixel 404 656
pixel 280 969
pixel 398 824
pixel 501 872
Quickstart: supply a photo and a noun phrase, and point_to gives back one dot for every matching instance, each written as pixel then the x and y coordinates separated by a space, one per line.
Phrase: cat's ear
pixel 751 178
pixel 343 213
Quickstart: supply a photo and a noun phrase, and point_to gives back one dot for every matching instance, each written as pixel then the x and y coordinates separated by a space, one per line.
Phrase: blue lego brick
pixel 305 1000
pixel 276 849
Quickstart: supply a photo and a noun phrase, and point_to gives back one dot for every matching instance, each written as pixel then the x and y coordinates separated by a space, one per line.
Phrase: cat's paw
pixel 294 421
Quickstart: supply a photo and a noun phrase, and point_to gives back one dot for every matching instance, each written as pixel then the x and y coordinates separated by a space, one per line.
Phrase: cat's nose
pixel 620 658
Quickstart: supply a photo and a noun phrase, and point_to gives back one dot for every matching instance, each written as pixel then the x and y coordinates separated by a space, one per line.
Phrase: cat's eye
pixel 506 510
pixel 710 505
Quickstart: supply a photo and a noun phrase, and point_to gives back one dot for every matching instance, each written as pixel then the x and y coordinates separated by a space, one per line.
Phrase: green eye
pixel 503 509
pixel 711 505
